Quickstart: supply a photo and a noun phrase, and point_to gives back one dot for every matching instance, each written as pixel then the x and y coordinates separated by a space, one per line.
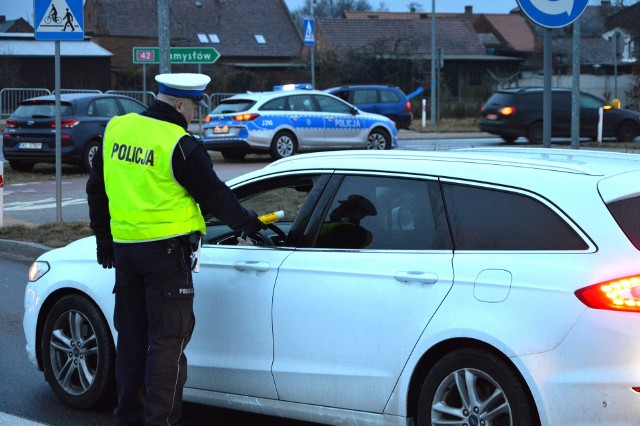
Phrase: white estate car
pixel 285 122
pixel 481 287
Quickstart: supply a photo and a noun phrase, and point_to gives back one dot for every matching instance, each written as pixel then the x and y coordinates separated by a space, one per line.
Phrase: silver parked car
pixel 480 287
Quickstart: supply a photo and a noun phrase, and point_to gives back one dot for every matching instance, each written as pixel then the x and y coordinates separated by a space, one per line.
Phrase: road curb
pixel 24 249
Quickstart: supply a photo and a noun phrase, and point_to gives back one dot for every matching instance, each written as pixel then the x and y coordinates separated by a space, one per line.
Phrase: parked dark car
pixel 518 112
pixel 389 101
pixel 29 136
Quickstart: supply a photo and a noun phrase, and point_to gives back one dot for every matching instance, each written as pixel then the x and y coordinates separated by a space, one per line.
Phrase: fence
pixel 10 98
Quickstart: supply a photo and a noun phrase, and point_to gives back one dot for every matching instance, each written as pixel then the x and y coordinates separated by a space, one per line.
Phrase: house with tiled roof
pixel 238 30
pixel 464 58
pixel 14 25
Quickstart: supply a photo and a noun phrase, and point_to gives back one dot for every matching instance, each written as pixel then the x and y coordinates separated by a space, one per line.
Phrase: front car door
pixel 343 128
pixel 231 350
pixel 350 305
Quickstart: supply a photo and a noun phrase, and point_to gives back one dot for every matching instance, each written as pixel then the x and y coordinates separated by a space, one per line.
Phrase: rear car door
pixel 349 305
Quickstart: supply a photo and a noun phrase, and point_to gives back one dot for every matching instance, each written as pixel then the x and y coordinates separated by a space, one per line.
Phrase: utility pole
pixel 433 62
pixel 164 40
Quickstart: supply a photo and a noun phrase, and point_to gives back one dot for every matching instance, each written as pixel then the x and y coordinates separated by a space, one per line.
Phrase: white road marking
pixel 47 203
pixel 9 420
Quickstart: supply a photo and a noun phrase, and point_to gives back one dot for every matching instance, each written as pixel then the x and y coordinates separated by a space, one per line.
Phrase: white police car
pixel 290 120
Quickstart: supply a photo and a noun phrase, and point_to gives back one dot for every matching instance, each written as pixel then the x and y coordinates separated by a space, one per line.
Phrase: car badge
pixel 30 123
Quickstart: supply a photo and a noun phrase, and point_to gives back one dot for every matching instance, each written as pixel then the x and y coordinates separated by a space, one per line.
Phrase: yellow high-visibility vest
pixel 146 203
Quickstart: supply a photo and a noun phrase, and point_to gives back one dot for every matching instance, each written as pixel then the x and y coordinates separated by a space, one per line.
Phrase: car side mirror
pixel 354 111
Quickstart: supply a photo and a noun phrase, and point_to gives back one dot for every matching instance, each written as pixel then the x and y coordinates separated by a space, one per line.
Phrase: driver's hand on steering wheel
pixel 245 241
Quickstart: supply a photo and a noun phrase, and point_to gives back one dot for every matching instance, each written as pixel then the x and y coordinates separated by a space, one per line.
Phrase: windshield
pixel 229 106
pixel 42 110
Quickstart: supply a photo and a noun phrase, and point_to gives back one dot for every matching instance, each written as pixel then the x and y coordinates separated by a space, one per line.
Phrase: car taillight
pixel 622 294
pixel 67 123
pixel 11 124
pixel 207 119
pixel 407 107
pixel 507 110
pixel 246 117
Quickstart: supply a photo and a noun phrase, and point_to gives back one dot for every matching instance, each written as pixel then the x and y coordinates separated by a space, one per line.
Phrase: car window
pixel 489 219
pixel 329 104
pixel 385 213
pixel 626 213
pixel 342 94
pixel 301 103
pixel 389 96
pixel 278 104
pixel 589 102
pixel 41 109
pixel 365 96
pixel 233 105
pixel 131 106
pixel 103 108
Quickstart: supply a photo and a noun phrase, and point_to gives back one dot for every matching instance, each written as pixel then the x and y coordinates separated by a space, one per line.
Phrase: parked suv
pixel 389 101
pixel 518 112
pixel 30 138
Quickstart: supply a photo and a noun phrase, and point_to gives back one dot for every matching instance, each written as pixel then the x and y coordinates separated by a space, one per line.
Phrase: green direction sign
pixel 177 55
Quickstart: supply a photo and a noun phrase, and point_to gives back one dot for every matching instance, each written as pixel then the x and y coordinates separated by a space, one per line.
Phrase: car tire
pixel 283 145
pixel 627 131
pixel 534 134
pixel 230 155
pixel 378 139
pixel 21 166
pixel 78 355
pixel 509 139
pixel 488 383
pixel 89 152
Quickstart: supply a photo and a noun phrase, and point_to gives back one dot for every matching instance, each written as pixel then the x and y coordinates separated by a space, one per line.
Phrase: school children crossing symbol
pixel 59 20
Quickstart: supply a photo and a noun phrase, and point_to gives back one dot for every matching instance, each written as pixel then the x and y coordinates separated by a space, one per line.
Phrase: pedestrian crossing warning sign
pixel 308 28
pixel 59 20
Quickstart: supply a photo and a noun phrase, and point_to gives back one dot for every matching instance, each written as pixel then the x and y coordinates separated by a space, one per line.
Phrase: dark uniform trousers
pixel 154 319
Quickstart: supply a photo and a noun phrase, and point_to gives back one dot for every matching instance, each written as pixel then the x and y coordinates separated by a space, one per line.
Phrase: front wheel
pixel 78 354
pixel 626 131
pixel 283 145
pixel 535 133
pixel 378 139
pixel 474 387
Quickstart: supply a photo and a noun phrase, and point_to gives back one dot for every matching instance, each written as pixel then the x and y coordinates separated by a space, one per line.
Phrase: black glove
pixel 105 253
pixel 253 225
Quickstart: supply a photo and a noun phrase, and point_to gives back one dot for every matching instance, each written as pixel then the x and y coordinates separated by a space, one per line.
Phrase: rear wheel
pixel 474 387
pixel 283 145
pixel 509 139
pixel 626 131
pixel 78 354
pixel 21 166
pixel 89 152
pixel 378 139
pixel 535 133
pixel 230 155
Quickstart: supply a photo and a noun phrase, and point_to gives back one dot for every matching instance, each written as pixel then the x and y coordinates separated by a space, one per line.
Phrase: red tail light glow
pixel 616 295
pixel 66 123
pixel 11 124
pixel 507 110
pixel 207 119
pixel 246 116
pixel 407 107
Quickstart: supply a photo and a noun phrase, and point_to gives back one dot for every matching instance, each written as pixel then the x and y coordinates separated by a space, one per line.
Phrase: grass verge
pixel 53 235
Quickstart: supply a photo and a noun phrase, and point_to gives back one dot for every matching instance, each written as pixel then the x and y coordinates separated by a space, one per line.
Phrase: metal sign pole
pixel 58 138
pixel 546 95
pixel 575 91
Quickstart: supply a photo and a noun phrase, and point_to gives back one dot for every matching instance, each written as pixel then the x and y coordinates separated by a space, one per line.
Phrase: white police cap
pixel 184 85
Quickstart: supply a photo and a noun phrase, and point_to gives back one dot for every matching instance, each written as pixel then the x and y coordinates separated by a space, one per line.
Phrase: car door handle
pixel 251 265
pixel 416 276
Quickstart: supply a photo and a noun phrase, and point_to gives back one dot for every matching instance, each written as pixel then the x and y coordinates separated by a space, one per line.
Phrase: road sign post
pixel 58 20
pixel 551 14
pixel 309 31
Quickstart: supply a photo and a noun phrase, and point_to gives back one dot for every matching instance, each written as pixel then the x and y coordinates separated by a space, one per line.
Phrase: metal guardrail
pixel 10 98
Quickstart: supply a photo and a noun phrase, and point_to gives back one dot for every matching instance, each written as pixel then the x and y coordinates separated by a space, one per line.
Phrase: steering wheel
pixel 261 240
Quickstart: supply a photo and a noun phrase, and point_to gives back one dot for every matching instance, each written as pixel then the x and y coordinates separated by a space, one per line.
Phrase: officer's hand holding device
pixel 105 253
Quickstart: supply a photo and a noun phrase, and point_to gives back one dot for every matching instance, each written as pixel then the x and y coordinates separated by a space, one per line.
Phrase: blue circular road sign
pixel 553 13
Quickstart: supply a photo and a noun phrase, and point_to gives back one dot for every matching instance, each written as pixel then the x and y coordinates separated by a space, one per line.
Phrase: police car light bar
pixel 299 86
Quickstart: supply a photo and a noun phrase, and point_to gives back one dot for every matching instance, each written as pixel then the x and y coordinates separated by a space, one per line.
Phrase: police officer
pixel 147 187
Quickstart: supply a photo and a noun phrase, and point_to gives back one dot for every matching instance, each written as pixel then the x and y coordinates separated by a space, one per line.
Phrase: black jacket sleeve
pixel 193 169
pixel 97 199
